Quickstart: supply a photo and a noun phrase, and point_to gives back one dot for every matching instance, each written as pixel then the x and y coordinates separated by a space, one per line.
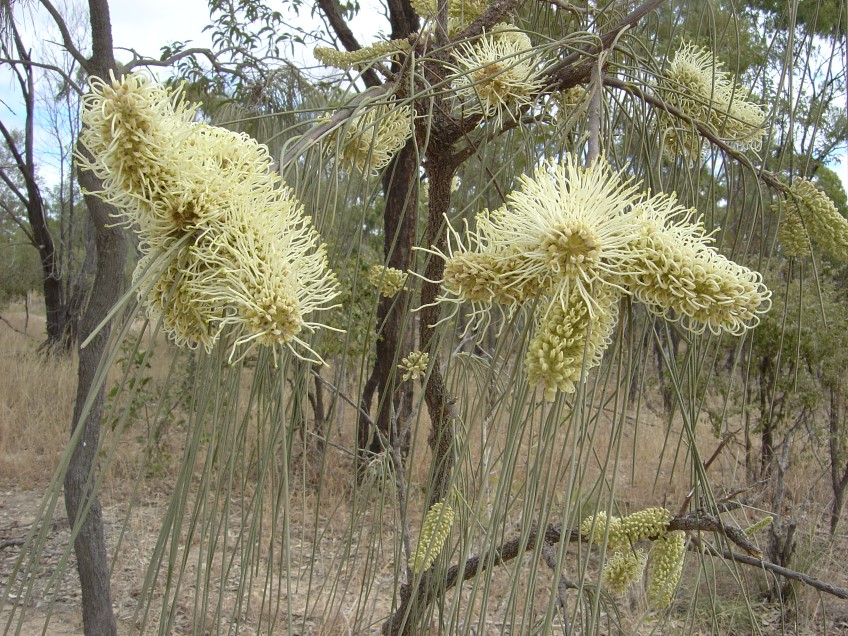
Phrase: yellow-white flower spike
pixel 624 569
pixel 415 365
pixel 569 226
pixel 568 339
pixel 497 74
pixel 763 523
pixel 595 526
pixel 369 140
pixel 826 226
pixel 388 280
pixel 461 13
pixel 346 60
pixel 435 529
pixel 676 272
pixel 189 319
pixel 646 524
pixel 793 236
pixel 667 553
pixel 697 85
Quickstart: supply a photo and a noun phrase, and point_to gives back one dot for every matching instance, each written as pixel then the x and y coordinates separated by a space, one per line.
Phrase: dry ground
pixel 324 568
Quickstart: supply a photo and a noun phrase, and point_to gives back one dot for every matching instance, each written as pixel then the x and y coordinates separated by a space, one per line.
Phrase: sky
pixel 146 27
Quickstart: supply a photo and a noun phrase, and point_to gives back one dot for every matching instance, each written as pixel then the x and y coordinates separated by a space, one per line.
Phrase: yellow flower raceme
pixel 568 224
pixel 676 272
pixel 668 552
pixel 252 261
pixel 497 74
pixel 568 340
pixel 365 56
pixel 697 85
pixel 825 225
pixel 461 13
pixel 388 280
pixel 370 139
pixel 435 529
pixel 624 569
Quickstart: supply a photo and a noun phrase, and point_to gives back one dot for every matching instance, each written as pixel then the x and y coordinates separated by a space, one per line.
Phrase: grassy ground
pixel 324 569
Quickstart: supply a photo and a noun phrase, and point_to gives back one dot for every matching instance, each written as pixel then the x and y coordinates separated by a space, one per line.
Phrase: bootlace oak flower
pixel 825 225
pixel 435 529
pixel 369 140
pixel 252 261
pixel 461 13
pixel 415 365
pixel 695 83
pixel 568 340
pixel 624 569
pixel 679 275
pixel 497 74
pixel 667 554
pixel 388 280
pixel 568 226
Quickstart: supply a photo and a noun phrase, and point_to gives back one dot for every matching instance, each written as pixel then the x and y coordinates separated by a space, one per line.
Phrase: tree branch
pixel 47 67
pixel 67 39
pixel 766 177
pixel 332 11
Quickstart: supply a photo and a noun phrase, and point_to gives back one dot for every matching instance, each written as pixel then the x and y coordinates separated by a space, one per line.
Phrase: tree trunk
pixel 838 459
pixel 89 543
pixel 400 185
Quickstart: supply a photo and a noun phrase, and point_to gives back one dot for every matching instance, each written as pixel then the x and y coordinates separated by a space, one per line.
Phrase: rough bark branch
pixel 67 39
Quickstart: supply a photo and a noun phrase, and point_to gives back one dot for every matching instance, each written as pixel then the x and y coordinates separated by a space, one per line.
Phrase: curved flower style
pixel 370 139
pixel 568 226
pixel 695 83
pixel 577 239
pixel 678 274
pixel 251 261
pixel 415 365
pixel 497 74
pixel 808 208
pixel 624 569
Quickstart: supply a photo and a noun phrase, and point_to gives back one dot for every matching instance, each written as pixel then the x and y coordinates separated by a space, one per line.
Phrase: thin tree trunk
pixel 89 544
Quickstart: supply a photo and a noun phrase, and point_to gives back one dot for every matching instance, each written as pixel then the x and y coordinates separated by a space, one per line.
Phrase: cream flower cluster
pixel 808 213
pixel 388 280
pixel 435 529
pixel 367 55
pixel 496 74
pixel 696 84
pixel 461 13
pixel 627 564
pixel 245 254
pixel 415 365
pixel 369 140
pixel 569 242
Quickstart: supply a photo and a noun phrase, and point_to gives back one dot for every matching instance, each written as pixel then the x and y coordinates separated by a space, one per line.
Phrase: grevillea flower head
pixel 695 83
pixel 461 13
pixel 603 527
pixel 569 340
pixel 624 569
pixel 363 57
pixel 415 365
pixel 677 273
pixel 435 529
pixel 646 524
pixel 497 74
pixel 569 225
pixel 370 139
pixel 251 260
pixel 388 280
pixel 667 554
pixel 826 226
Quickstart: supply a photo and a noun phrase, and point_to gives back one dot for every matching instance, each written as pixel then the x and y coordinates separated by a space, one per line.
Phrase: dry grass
pixel 317 579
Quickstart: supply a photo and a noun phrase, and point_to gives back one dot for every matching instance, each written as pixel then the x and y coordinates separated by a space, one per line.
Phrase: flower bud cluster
pixel 666 567
pixel 435 529
pixel 627 565
pixel 224 242
pixel 388 280
pixel 415 365
pixel 367 55
pixel 808 208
